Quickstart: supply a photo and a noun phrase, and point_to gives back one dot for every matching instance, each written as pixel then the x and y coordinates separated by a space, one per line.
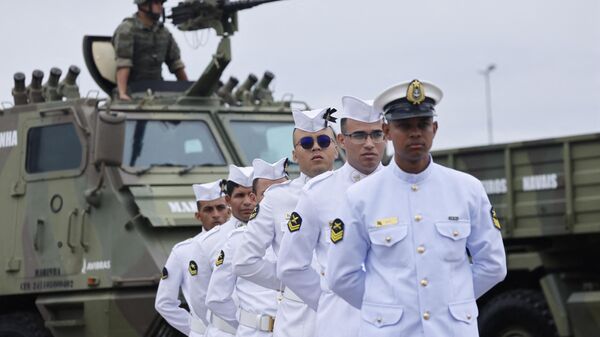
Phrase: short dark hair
pixel 230 186
pixel 343 126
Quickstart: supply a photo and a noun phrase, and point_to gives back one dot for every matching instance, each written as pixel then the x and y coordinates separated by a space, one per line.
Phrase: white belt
pixel 198 326
pixel 257 321
pixel 290 295
pixel 221 324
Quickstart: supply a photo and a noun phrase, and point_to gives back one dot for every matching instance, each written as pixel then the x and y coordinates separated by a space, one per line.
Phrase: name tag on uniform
pixel 386 221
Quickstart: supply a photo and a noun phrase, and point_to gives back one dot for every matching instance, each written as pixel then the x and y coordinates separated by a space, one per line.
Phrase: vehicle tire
pixel 517 313
pixel 23 324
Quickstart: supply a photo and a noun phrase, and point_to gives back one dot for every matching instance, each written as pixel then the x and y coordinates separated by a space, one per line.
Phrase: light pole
pixel 488 100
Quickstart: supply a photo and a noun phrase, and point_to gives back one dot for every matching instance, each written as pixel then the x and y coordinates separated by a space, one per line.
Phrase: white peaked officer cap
pixel 357 109
pixel 313 120
pixel 208 191
pixel 241 175
pixel 410 99
pixel 265 170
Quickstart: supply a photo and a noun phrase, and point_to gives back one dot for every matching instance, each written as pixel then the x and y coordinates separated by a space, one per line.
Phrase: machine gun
pixel 220 15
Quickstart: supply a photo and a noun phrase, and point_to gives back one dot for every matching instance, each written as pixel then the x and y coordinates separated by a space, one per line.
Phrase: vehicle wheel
pixel 517 313
pixel 23 324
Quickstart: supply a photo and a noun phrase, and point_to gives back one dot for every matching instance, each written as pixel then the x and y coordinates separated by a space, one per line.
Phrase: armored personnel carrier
pixel 97 191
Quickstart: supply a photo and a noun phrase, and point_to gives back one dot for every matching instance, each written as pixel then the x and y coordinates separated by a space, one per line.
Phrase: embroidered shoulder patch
pixel 337 230
pixel 495 220
pixel 193 268
pixel 164 274
pixel 220 259
pixel 295 222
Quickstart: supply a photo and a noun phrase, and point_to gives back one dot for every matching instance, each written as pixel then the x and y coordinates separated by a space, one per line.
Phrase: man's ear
pixel 386 131
pixel 341 139
pixel 435 127
pixel 197 216
pixel 228 200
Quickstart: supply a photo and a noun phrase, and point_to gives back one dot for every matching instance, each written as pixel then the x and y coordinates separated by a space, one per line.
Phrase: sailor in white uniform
pixel 314 151
pixel 238 194
pixel 257 305
pixel 363 141
pixel 427 235
pixel 180 266
pixel 266 174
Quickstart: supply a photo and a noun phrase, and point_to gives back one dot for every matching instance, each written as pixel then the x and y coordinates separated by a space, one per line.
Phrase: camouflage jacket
pixel 144 49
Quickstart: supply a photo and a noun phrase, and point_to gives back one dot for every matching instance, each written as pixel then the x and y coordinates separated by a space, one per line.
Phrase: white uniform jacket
pixel 206 251
pixel 255 302
pixel 412 232
pixel 294 317
pixel 318 207
pixel 176 275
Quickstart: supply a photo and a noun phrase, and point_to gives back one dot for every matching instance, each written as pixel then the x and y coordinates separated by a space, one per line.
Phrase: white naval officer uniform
pixel 207 250
pixel 180 271
pixel 294 318
pixel 256 306
pixel 318 207
pixel 412 232
pixel 176 274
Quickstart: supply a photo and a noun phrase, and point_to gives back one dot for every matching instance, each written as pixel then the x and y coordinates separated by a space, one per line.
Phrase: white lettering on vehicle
pixel 94 265
pixel 495 186
pixel 182 206
pixel 8 139
pixel 540 182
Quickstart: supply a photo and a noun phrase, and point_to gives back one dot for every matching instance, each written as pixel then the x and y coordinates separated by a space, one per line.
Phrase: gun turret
pixel 68 88
pixel 50 88
pixel 221 15
pixel 34 90
pixel 262 92
pixel 19 92
pixel 226 91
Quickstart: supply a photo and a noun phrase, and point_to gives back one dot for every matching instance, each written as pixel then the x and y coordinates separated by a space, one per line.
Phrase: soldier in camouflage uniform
pixel 142 44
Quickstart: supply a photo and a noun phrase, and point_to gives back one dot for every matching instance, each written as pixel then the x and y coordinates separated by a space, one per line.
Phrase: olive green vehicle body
pixel 85 245
pixel 547 196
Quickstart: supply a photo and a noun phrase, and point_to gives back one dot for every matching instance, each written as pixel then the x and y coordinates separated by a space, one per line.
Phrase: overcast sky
pixel 547 53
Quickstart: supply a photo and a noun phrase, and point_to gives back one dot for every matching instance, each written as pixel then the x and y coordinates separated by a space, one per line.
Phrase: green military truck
pixel 547 196
pixel 95 192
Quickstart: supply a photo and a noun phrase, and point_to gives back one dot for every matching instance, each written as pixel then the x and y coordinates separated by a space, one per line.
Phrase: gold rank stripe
pixel 336 237
pixel 386 221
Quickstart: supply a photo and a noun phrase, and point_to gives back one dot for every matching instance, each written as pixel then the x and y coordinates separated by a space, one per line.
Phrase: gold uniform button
pixel 426 315
pixel 424 282
pixel 455 233
pixel 414 187
pixel 379 320
pixel 322 273
pixel 388 238
pixel 420 249
pixel 468 316
pixel 418 217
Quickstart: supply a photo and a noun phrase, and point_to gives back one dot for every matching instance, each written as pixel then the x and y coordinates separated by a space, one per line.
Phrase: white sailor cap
pixel 208 191
pixel 313 120
pixel 410 99
pixel 265 170
pixel 241 175
pixel 360 110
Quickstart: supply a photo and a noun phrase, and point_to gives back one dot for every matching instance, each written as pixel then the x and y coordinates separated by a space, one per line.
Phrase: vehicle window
pixel 170 142
pixel 52 148
pixel 269 141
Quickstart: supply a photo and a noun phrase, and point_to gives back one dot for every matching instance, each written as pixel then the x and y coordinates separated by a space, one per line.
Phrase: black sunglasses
pixel 308 142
